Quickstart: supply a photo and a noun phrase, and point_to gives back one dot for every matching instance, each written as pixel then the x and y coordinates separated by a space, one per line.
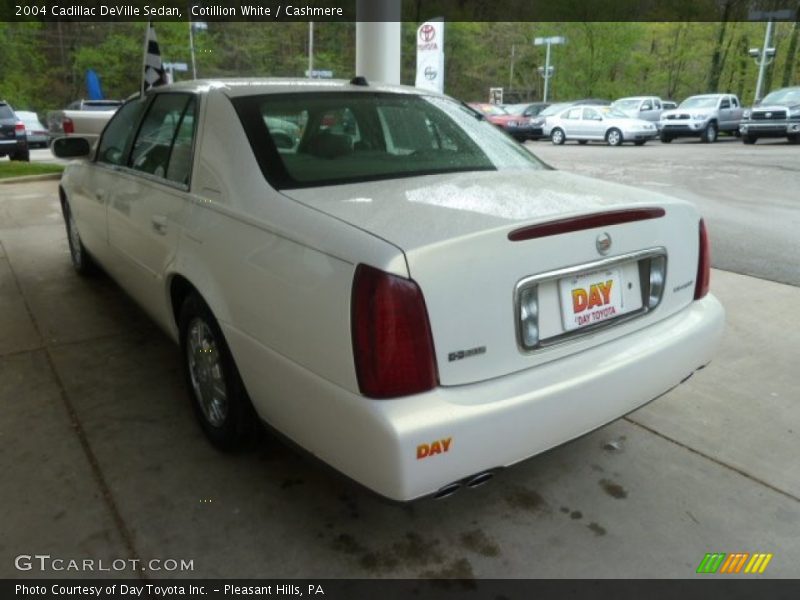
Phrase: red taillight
pixel 703 264
pixel 68 125
pixel 19 129
pixel 392 343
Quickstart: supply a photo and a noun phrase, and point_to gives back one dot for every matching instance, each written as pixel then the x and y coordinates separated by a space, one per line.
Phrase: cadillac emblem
pixel 603 243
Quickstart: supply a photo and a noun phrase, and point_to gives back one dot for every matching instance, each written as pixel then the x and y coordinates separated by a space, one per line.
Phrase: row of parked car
pixel 22 130
pixel 641 118
pixel 19 131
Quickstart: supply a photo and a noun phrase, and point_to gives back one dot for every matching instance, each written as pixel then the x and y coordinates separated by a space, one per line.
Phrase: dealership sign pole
pixel 430 56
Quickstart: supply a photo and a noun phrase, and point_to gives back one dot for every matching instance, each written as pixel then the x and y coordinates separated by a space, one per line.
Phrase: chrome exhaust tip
pixel 447 491
pixel 479 479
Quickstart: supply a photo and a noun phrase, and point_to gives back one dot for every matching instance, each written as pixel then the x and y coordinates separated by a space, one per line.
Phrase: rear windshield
pixel 6 112
pixel 309 140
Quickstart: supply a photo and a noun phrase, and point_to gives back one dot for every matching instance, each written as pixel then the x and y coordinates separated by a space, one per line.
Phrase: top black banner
pixel 399 10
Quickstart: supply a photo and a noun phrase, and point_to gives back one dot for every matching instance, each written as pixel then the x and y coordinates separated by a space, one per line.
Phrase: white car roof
pixel 253 86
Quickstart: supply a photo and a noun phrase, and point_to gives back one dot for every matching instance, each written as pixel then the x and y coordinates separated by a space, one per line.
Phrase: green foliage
pixel 43 65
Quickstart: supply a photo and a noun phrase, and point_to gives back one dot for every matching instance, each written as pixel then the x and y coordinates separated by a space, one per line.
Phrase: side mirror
pixel 71 147
pixel 645 108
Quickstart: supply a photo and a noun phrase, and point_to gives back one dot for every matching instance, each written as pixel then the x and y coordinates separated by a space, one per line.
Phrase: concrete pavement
pixel 101 457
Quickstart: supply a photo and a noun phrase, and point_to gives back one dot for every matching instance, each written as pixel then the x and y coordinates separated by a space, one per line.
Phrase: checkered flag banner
pixel 154 73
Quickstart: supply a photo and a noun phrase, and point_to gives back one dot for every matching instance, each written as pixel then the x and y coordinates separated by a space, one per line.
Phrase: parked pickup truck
pixel 647 108
pixel 702 116
pixel 777 115
pixel 84 118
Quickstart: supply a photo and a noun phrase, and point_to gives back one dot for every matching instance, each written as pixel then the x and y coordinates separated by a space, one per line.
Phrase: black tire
pixel 557 136
pixel 665 139
pixel 794 139
pixel 710 133
pixel 22 155
pixel 583 142
pixel 639 142
pixel 614 137
pixel 749 139
pixel 230 423
pixel 82 261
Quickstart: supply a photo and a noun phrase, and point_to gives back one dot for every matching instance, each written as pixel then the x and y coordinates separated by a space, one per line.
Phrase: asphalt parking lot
pixel 101 457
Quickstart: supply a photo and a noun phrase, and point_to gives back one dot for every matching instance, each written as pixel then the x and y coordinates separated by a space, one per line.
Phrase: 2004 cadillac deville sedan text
pixel 384 277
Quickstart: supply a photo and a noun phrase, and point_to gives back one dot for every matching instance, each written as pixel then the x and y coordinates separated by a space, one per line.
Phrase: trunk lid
pixel 454 231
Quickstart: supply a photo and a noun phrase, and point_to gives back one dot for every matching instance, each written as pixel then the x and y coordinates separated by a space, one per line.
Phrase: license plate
pixel 590 298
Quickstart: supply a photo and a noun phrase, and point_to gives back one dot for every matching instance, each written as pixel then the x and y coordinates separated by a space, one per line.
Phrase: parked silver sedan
pixel 595 123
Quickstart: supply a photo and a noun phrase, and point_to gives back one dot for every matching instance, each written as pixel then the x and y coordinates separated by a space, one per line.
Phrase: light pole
pixel 200 26
pixel 764 56
pixel 547 71
pixel 310 49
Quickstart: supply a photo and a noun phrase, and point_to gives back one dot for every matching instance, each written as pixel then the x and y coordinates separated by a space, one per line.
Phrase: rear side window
pixel 169 120
pixel 119 132
pixel 591 115
pixel 6 112
pixel 180 159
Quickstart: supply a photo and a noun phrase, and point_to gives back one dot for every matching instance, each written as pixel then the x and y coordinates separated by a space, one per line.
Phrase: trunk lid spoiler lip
pixel 583 222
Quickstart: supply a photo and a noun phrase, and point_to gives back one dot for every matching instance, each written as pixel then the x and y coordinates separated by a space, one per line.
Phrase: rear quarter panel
pixel 276 274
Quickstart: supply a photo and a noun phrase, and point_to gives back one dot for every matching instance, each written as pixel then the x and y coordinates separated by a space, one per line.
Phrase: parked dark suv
pixel 12 135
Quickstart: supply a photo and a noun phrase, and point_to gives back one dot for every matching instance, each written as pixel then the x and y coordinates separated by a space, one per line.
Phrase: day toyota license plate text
pixel 590 298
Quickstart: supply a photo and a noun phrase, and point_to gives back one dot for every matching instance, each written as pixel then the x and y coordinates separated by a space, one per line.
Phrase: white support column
pixel 378 40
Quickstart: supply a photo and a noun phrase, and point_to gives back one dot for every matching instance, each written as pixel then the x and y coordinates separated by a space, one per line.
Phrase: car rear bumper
pixel 411 447
pixel 13 146
pixel 650 134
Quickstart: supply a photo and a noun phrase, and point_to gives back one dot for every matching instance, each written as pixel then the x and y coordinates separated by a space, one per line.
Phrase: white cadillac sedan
pixel 600 124
pixel 384 277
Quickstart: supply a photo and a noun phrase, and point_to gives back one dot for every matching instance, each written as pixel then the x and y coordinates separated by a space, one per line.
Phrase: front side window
pixel 307 139
pixel 574 113
pixel 161 127
pixel 119 132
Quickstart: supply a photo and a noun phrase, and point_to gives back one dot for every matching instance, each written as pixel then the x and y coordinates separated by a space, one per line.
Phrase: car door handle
pixel 100 195
pixel 159 223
